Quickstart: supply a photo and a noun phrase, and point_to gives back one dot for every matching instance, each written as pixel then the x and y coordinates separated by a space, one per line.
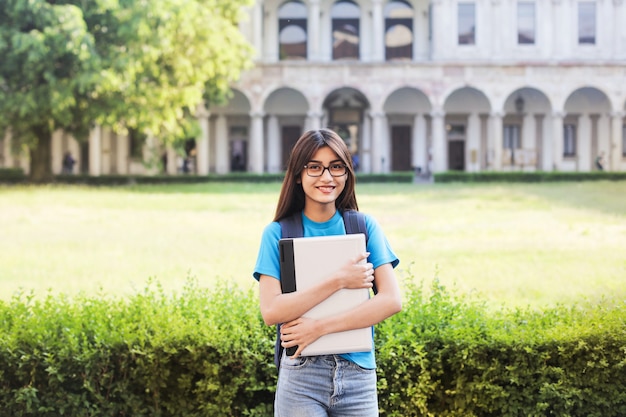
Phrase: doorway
pixel 289 135
pixel 401 148
pixel 456 147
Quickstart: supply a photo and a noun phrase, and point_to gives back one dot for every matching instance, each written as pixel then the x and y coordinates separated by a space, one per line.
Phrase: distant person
pixel 600 162
pixel 355 162
pixel 68 163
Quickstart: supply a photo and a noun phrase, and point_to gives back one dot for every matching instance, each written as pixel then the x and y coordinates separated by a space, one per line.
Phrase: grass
pixel 514 244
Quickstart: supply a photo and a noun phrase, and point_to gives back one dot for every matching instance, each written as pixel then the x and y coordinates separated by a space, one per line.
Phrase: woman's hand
pixel 300 332
pixel 356 274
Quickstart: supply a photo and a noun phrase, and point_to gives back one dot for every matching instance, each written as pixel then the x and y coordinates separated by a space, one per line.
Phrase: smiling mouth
pixel 326 187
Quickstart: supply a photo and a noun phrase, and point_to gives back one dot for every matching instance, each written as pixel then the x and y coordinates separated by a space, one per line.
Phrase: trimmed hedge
pixel 206 352
pixel 194 179
pixel 12 175
pixel 537 176
pixel 16 175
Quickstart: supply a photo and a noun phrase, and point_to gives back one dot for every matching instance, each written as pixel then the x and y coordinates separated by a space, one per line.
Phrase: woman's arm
pixel 277 307
pixel 387 302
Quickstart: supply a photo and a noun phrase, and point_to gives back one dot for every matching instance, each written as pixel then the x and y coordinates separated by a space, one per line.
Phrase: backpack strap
pixel 354 222
pixel 291 227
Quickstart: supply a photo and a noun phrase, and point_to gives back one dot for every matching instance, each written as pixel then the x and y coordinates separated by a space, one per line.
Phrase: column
pixel 376 146
pixel 439 153
pixel 222 161
pixel 378 32
pixel 494 141
pixel 172 160
pixel 385 142
pixel 563 34
pixel 57 151
pixel 472 153
pixel 603 135
pixel 105 158
pixel 150 155
pixel 314 30
pixel 255 161
pixel 583 145
pixel 274 145
pixel 270 35
pixel 614 156
pixel 202 143
pixel 366 146
pixel 498 21
pixel 557 140
pixel 313 121
pixel 437 30
pixel 257 28
pixel 123 148
pixel 618 39
pixel 418 143
pixel 95 145
pixel 529 132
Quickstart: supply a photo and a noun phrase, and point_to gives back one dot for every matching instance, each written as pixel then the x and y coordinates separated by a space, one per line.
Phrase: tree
pixel 128 64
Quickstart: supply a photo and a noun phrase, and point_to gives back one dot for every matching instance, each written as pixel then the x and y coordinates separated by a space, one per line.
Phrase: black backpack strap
pixel 291 227
pixel 354 222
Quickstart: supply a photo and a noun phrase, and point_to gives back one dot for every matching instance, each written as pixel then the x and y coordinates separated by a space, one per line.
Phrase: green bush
pixel 206 352
pixel 12 175
pixel 405 177
pixel 537 176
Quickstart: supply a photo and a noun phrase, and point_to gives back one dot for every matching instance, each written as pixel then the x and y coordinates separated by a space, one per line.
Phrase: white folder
pixel 306 261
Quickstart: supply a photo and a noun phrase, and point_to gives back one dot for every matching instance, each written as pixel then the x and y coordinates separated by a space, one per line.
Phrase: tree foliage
pixel 140 64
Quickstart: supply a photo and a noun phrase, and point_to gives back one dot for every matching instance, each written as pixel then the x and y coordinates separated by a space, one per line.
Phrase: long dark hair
pixel 291 199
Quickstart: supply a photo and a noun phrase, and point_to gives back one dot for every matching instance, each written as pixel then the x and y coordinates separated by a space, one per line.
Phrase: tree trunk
pixel 41 157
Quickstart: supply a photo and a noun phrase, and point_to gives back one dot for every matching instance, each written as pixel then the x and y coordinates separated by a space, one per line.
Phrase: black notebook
pixel 307 260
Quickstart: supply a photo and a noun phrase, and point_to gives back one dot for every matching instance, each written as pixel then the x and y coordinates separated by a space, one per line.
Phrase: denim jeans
pixel 323 386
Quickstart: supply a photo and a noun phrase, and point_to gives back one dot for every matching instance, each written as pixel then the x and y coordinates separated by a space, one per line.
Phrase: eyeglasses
pixel 317 170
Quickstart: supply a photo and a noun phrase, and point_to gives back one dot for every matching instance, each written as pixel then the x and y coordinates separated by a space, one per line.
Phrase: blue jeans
pixel 323 386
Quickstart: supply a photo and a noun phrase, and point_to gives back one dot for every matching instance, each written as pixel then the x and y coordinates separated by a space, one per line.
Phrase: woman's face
pixel 325 189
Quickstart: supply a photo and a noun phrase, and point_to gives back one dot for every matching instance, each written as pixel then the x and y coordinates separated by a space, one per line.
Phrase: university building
pixel 425 86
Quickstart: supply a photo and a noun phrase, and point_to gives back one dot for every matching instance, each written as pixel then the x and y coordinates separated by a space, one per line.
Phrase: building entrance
pixel 456 147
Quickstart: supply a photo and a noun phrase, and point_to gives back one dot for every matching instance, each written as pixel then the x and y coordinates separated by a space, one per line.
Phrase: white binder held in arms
pixel 303 263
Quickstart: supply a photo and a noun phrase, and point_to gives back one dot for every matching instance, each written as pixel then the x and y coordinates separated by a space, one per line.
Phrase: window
pixel 398 31
pixel 345 24
pixel 586 23
pixel 526 23
pixel 292 26
pixel 467 24
pixel 569 140
pixel 511 137
pixel 511 142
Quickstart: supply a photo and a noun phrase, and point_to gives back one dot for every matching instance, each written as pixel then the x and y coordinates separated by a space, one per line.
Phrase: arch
pixel 345 110
pixel 407 100
pixel 292 30
pixel 586 128
pixel 286 101
pixel 407 109
pixel 527 130
pixel 345 17
pixel 239 103
pixel 398 30
pixel 464 99
pixel 286 109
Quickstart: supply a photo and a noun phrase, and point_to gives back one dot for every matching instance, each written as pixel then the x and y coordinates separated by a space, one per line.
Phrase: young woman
pixel 320 184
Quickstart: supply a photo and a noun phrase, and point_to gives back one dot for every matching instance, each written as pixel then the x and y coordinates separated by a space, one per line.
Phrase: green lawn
pixel 516 244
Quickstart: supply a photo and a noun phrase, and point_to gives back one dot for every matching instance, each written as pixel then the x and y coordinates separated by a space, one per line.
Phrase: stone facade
pixel 416 85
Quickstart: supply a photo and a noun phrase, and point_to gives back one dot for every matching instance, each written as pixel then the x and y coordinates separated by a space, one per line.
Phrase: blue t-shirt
pixel 377 245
